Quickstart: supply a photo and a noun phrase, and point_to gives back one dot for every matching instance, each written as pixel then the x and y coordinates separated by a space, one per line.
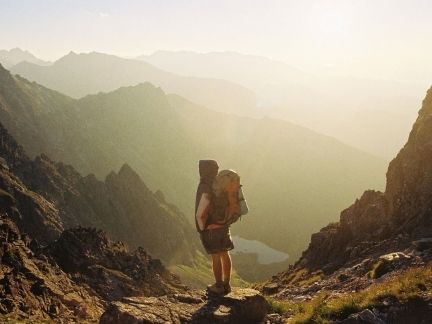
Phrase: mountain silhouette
pixel 78 75
pixel 371 114
pixel 17 55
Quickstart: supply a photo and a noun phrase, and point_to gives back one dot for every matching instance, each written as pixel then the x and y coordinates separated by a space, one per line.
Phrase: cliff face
pixel 398 216
pixel 409 178
pixel 33 213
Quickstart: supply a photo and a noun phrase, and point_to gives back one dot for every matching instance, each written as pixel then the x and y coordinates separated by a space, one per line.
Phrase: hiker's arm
pixel 201 215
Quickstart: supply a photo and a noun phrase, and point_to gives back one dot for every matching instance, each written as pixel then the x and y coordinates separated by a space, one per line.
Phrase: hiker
pixel 216 207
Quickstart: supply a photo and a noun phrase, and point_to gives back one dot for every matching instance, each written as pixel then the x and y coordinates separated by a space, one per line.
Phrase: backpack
pixel 228 203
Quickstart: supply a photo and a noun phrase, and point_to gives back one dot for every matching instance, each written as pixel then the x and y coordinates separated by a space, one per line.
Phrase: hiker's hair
pixel 223 179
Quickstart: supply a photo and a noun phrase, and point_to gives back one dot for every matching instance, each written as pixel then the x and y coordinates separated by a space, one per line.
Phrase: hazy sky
pixel 380 38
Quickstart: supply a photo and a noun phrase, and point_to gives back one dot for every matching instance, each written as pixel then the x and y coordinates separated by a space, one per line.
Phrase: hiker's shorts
pixel 217 240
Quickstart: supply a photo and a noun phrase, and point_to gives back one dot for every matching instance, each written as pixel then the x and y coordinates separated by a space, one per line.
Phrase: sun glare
pixel 330 23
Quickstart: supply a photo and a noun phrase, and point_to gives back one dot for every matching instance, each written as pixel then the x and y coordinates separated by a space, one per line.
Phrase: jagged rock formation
pixel 50 274
pixel 73 278
pixel 377 241
pixel 32 288
pixel 108 267
pixel 32 212
pixel 240 306
pixel 122 205
pixel 409 179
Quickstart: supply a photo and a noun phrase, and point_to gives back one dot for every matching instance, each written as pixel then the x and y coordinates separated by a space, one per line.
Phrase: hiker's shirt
pixel 202 214
pixel 202 211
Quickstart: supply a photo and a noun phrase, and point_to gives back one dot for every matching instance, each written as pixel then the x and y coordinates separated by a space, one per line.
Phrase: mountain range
pixel 9 58
pixel 78 75
pixel 293 176
pixel 375 119
pixel 371 114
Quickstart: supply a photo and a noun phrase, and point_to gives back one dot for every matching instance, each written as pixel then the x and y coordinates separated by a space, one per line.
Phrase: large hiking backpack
pixel 228 203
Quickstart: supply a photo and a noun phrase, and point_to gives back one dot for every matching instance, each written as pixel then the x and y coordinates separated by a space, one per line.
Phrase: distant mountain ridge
pixel 373 115
pixel 17 55
pixel 284 167
pixel 78 75
pixel 251 71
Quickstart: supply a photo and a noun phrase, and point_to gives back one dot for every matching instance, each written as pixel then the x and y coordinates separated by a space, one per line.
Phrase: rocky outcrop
pixel 34 214
pixel 240 306
pixel 34 289
pixel 73 278
pixel 409 178
pixel 110 268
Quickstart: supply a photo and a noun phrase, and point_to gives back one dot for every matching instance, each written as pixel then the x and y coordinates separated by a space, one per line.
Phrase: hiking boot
pixel 216 288
pixel 227 288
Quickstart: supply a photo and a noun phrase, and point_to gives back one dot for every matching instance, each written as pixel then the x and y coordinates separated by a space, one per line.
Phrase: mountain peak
pixel 126 170
pixel 17 55
pixel 18 50
pixel 427 104
pixel 127 175
pixel 67 57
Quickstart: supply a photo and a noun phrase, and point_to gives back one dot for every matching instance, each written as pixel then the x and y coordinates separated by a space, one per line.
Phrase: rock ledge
pixel 240 306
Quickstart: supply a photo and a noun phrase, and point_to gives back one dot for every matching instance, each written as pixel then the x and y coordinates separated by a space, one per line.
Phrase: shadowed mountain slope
pixel 48 274
pixel 122 204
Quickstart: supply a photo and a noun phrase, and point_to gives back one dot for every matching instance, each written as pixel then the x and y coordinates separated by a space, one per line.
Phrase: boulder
pixel 394 257
pixel 366 316
pixel 242 305
pixel 271 288
pixel 423 244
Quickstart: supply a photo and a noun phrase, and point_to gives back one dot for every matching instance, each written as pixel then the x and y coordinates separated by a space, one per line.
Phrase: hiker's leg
pixel 217 267
pixel 226 266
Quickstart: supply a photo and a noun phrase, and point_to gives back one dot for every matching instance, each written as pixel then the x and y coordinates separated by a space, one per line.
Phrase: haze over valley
pixel 116 117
